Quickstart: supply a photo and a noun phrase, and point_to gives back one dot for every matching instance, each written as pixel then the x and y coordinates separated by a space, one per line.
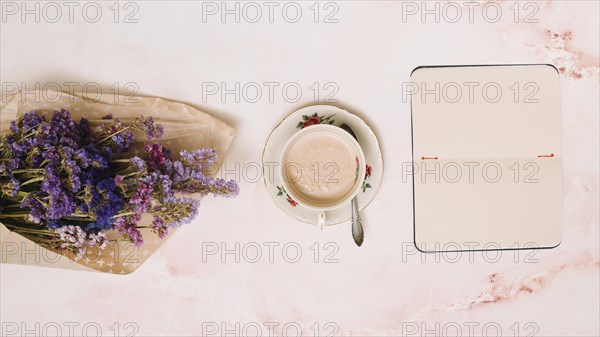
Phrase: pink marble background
pixel 382 288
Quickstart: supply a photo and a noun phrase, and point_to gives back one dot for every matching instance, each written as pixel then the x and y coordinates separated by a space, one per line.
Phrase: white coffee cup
pixel 308 187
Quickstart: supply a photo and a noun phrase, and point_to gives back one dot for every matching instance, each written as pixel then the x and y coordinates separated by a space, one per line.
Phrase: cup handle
pixel 321 219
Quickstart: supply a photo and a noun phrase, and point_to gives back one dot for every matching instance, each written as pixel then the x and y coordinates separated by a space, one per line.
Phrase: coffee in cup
pixel 322 168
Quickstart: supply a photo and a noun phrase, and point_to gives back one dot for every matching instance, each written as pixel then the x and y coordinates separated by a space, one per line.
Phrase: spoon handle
pixel 357 230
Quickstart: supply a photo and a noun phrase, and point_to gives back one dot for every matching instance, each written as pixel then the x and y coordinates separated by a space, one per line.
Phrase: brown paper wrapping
pixel 185 128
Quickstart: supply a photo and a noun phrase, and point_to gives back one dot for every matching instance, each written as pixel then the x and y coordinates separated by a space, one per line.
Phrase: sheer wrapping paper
pixel 186 128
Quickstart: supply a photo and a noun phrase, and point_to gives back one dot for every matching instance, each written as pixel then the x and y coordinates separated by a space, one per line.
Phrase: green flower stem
pixel 74 217
pixel 41 200
pixel 30 230
pixel 43 241
pixel 16 206
pixel 28 175
pixel 33 232
pixel 13 215
pixel 79 215
pixel 123 214
pixel 112 134
pixel 32 181
pixel 29 129
pixel 18 198
pixel 130 174
pixel 27 171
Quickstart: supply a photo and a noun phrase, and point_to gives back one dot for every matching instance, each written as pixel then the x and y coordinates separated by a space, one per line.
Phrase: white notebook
pixel 486 157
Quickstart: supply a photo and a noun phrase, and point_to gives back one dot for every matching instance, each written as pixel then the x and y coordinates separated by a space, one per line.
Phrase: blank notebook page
pixel 487 157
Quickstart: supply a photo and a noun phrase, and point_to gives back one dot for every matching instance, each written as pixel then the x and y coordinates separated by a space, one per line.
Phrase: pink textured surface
pixel 380 288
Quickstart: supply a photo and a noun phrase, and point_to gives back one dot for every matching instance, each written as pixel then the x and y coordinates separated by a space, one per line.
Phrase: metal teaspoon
pixel 357 231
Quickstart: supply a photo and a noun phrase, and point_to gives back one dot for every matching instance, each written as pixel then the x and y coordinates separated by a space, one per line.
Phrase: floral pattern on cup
pixel 281 191
pixel 314 119
pixel 365 184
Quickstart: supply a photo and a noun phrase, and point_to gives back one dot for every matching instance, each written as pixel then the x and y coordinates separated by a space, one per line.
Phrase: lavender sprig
pixel 173 212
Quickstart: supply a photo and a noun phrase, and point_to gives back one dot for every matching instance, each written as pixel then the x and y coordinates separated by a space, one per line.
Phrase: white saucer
pixel 291 124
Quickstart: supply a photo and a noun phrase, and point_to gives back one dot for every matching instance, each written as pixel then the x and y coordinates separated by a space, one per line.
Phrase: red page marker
pixel 431 158
pixel 546 155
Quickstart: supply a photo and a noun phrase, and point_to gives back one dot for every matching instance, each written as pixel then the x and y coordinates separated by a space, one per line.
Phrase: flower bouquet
pixel 81 187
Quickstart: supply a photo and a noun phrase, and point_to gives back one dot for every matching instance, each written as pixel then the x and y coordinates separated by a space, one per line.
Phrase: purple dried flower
pixel 13 127
pixel 122 141
pixel 157 222
pixel 108 189
pixel 197 182
pixel 164 184
pixel 226 189
pixel 98 240
pixel 10 187
pixel 61 203
pixel 51 182
pixel 156 155
pixel 159 227
pixel 104 201
pixel 34 158
pixel 83 157
pixel 177 211
pixel 84 130
pixel 232 188
pixel 206 155
pixel 30 120
pixel 180 173
pixel 51 155
pixel 142 197
pixel 77 240
pixel 36 209
pixel 62 129
pixel 61 120
pixel 167 167
pixel 153 130
pixel 72 237
pixel 126 225
pixel 187 207
pixel 73 170
pixel 14 164
pixel 138 162
pixel 19 149
pixel 198 159
pixel 114 137
pixel 119 181
pixel 99 162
